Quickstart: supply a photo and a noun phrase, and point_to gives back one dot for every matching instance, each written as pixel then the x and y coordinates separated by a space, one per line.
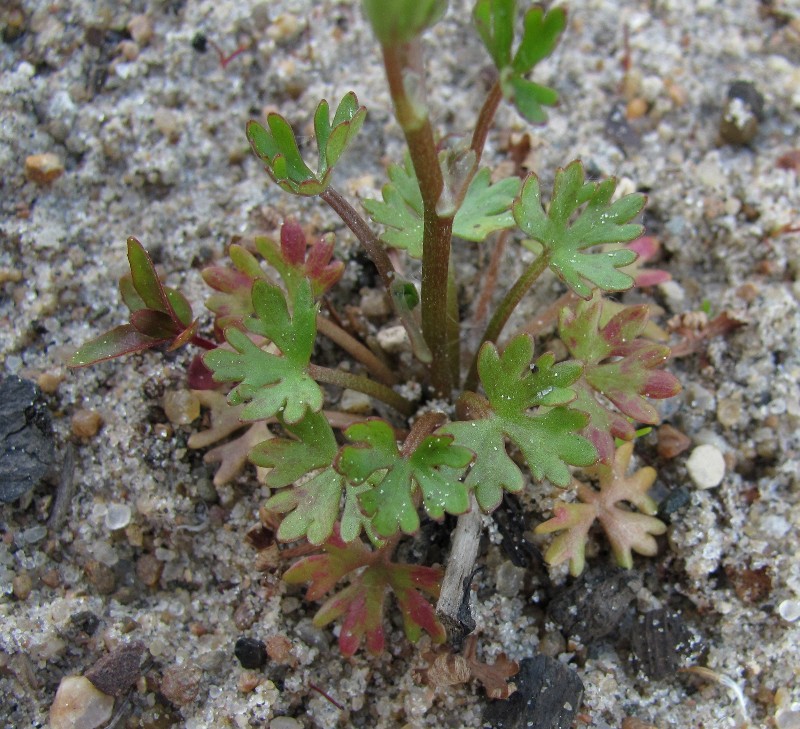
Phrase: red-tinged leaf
pixel 646 247
pixel 293 243
pixel 130 296
pixel 181 308
pixel 145 278
pixel 200 377
pixel 627 531
pixel 121 340
pixel 154 324
pixel 184 337
pixel 361 604
pixel 619 366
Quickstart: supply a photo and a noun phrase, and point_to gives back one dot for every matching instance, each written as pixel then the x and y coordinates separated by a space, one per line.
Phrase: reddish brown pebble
pixel 630 722
pixel 86 423
pixel 279 649
pixel 43 168
pixel 116 672
pixel 750 585
pixel 141 29
pixel 244 615
pixel 671 442
pixel 22 585
pixel 789 161
pixel 149 569
pixel 180 684
pixel 51 578
pixel 101 577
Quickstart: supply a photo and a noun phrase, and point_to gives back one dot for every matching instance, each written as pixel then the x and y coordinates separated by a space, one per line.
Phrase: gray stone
pixel 27 450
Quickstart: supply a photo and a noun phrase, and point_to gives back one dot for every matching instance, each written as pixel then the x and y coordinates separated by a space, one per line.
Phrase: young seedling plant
pixel 494 416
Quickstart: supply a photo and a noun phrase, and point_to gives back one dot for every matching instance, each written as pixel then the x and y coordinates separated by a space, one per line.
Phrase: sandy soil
pixel 149 132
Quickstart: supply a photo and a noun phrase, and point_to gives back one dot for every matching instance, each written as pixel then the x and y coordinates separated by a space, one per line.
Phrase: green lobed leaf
pixel 276 145
pixel 495 21
pixel 581 215
pixel 486 208
pixel 434 467
pixel 547 438
pixel 288 460
pixel 271 383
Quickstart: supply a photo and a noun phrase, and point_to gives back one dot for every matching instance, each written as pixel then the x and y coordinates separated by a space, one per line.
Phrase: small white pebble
pixel 394 340
pixel 355 402
pixel 79 705
pixel 789 610
pixel 118 516
pixel 285 722
pixel 706 466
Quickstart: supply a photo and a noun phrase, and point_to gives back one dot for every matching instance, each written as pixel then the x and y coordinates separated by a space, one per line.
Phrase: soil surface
pixel 142 123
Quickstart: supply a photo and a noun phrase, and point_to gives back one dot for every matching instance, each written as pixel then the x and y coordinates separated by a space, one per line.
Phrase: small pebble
pixel 251 653
pixel 141 29
pixel 706 466
pixel 279 649
pixel 248 681
pixel 79 705
pixel 631 722
pixel 22 585
pixel 118 516
pixel 671 442
pixel 636 108
pixel 181 684
pixel 743 110
pixel 101 577
pixel 285 28
pixel 394 340
pixel 149 569
pixel 285 722
pixel 116 672
pixel 355 402
pixel 789 610
pixel 86 423
pixel 129 50
pixel 43 168
pixel 374 304
pixel 49 381
pixel 181 406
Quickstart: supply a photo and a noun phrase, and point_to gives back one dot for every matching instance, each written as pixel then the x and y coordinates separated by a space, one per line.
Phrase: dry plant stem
pixel 460 565
pixel 490 279
pixel 352 346
pixel 362 384
pixel 503 312
pixel 399 62
pixel 485 118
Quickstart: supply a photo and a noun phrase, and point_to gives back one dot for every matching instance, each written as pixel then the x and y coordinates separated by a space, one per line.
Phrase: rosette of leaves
pixel 159 315
pixel 485 208
pixel 627 531
pixel 276 145
pixel 620 370
pixel 580 215
pixel 495 21
pixel 526 404
pixel 361 604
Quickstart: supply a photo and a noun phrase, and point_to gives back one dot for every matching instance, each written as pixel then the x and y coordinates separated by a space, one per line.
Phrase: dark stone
pixel 548 696
pixel 750 95
pixel 596 604
pixel 619 130
pixel 512 524
pixel 27 450
pixel 115 673
pixel 250 652
pixel 660 640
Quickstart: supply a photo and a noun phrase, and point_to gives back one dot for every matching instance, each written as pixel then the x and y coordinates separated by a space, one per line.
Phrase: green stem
pixel 485 118
pixel 504 310
pixel 362 384
pixel 412 115
pixel 363 232
pixel 351 345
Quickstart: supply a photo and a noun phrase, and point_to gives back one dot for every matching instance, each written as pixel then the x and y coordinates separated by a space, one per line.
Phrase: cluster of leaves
pixel 522 415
